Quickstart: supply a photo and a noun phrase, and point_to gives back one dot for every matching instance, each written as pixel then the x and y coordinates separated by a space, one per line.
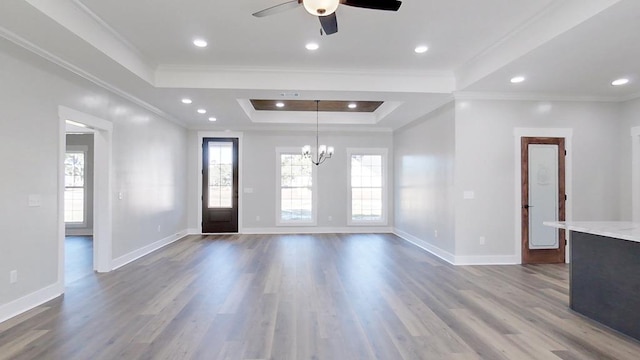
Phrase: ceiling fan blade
pixel 391 5
pixel 278 8
pixel 329 23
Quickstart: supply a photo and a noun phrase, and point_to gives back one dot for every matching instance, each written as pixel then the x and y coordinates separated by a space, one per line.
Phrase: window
pixel 74 190
pixel 220 175
pixel 296 190
pixel 368 193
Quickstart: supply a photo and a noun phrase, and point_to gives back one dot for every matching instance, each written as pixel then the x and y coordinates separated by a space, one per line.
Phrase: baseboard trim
pixel 442 254
pixel 137 254
pixel 78 232
pixel 458 259
pixel 318 230
pixel 194 231
pixel 28 302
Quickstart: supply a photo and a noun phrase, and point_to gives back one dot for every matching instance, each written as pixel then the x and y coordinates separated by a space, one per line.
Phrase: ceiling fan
pixel 325 9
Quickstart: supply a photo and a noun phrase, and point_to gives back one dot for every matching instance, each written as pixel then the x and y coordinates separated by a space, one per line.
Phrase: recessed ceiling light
pixel 202 111
pixel 517 79
pixel 200 43
pixel 421 49
pixel 619 82
pixel 353 106
pixel 280 104
pixel 312 46
pixel 212 119
pixel 186 101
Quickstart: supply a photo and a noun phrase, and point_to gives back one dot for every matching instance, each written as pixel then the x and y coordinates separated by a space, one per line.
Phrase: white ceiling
pixel 567 49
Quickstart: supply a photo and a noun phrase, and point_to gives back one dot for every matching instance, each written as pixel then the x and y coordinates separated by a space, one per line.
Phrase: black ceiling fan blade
pixel 278 8
pixel 391 5
pixel 329 23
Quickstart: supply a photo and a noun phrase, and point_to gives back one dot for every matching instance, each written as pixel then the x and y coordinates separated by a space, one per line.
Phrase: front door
pixel 219 185
pixel 543 199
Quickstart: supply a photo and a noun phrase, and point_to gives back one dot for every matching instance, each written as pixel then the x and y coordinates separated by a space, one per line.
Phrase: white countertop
pixel 625 230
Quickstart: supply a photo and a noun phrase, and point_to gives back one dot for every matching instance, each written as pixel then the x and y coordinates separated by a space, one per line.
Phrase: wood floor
pixel 78 257
pixel 311 297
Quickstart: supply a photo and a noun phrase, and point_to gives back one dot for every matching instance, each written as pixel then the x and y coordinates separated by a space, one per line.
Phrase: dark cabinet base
pixel 605 281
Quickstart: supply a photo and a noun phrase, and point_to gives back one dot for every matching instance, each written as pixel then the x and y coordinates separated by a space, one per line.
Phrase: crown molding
pixel 630 97
pixel 208 77
pixel 554 20
pixel 294 129
pixel 150 64
pixel 508 96
pixel 274 69
pixel 31 47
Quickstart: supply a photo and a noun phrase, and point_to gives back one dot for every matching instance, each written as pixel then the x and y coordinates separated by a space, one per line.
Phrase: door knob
pixel 527 206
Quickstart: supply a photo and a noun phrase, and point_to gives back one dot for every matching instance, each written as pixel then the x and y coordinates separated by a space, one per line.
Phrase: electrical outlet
pixel 258 218
pixel 330 218
pixel 435 233
pixel 482 240
pixel 158 229
pixel 13 276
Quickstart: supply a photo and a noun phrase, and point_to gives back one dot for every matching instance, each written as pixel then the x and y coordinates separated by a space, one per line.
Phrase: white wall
pixel 149 156
pixel 258 172
pixel 424 179
pixel 485 165
pixel 630 118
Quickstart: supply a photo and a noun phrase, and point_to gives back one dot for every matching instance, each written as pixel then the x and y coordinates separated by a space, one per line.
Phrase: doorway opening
pixel 78 201
pixel 220 185
pixel 520 221
pixel 543 198
pixel 99 211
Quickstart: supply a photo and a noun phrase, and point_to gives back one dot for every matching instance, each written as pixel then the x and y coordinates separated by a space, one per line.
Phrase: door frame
pixel 519 133
pixel 635 173
pixel 102 203
pixel 218 134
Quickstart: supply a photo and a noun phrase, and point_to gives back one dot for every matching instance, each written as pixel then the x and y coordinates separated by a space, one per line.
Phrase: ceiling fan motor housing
pixel 321 7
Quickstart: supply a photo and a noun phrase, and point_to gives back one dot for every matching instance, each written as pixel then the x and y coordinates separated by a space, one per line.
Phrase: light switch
pixel 469 195
pixel 35 200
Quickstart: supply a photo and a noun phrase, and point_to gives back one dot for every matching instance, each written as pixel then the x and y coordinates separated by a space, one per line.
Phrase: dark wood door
pixel 543 199
pixel 220 185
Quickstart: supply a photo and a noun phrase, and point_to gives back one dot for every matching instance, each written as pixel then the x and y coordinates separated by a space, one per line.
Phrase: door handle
pixel 527 206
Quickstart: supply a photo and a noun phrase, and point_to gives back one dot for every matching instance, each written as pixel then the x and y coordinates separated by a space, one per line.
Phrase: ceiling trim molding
pixel 630 97
pixel 91 29
pixel 114 33
pixel 294 128
pixel 285 80
pixel 274 69
pixel 469 95
pixel 310 117
pixel 554 20
pixel 31 47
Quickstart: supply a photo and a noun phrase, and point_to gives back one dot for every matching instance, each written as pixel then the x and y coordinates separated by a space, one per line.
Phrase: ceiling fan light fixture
pixel 321 7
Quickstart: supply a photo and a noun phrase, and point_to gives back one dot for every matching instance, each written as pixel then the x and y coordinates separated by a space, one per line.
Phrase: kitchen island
pixel 605 272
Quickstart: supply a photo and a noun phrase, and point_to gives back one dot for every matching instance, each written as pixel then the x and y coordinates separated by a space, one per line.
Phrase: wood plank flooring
pixel 332 296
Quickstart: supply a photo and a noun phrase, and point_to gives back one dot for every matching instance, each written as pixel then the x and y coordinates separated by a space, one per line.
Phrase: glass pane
pixel 74 205
pixel 366 187
pixel 543 195
pixel 74 169
pixel 295 194
pixel 220 175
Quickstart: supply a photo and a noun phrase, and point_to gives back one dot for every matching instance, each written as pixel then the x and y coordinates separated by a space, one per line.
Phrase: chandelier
pixel 323 152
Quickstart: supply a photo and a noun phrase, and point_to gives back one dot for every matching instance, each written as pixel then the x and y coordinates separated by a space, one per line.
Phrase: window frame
pixel 314 190
pixel 384 153
pixel 85 151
